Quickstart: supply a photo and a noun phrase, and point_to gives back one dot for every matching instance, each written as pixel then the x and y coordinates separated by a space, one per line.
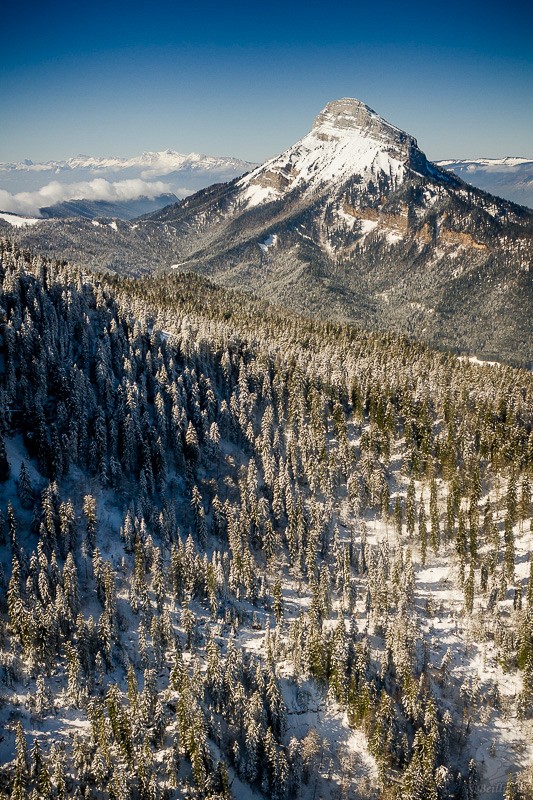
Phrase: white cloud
pixel 29 203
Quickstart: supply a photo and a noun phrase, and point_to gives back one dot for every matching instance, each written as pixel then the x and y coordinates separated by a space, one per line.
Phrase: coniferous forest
pixel 249 554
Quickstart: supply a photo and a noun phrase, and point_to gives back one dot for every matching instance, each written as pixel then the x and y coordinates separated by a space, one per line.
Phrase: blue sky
pixel 248 79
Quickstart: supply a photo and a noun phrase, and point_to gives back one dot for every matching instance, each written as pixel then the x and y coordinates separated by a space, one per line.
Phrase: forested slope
pixel 249 554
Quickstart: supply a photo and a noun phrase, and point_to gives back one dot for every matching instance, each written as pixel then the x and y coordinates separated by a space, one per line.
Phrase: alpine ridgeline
pixel 351 222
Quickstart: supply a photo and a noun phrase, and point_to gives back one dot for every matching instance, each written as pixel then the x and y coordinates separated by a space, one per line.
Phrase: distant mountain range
pixel 190 169
pixel 26 188
pixel 511 178
pixel 352 222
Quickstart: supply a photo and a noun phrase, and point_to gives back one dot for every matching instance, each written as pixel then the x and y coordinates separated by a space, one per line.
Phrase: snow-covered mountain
pixel 509 177
pixel 351 222
pixel 347 138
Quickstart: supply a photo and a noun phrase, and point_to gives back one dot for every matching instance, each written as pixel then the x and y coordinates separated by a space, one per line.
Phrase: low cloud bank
pixel 29 203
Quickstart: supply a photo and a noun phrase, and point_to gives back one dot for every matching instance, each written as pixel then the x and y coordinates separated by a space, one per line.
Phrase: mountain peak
pixel 347 139
pixel 351 117
pixel 348 112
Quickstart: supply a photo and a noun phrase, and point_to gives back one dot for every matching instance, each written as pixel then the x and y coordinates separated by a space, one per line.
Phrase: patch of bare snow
pixel 254 195
pixel 367 226
pixel 478 361
pixel 19 222
pixel 393 237
pixel 269 242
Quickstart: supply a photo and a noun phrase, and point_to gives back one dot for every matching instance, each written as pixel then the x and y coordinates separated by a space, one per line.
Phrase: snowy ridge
pixel 25 187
